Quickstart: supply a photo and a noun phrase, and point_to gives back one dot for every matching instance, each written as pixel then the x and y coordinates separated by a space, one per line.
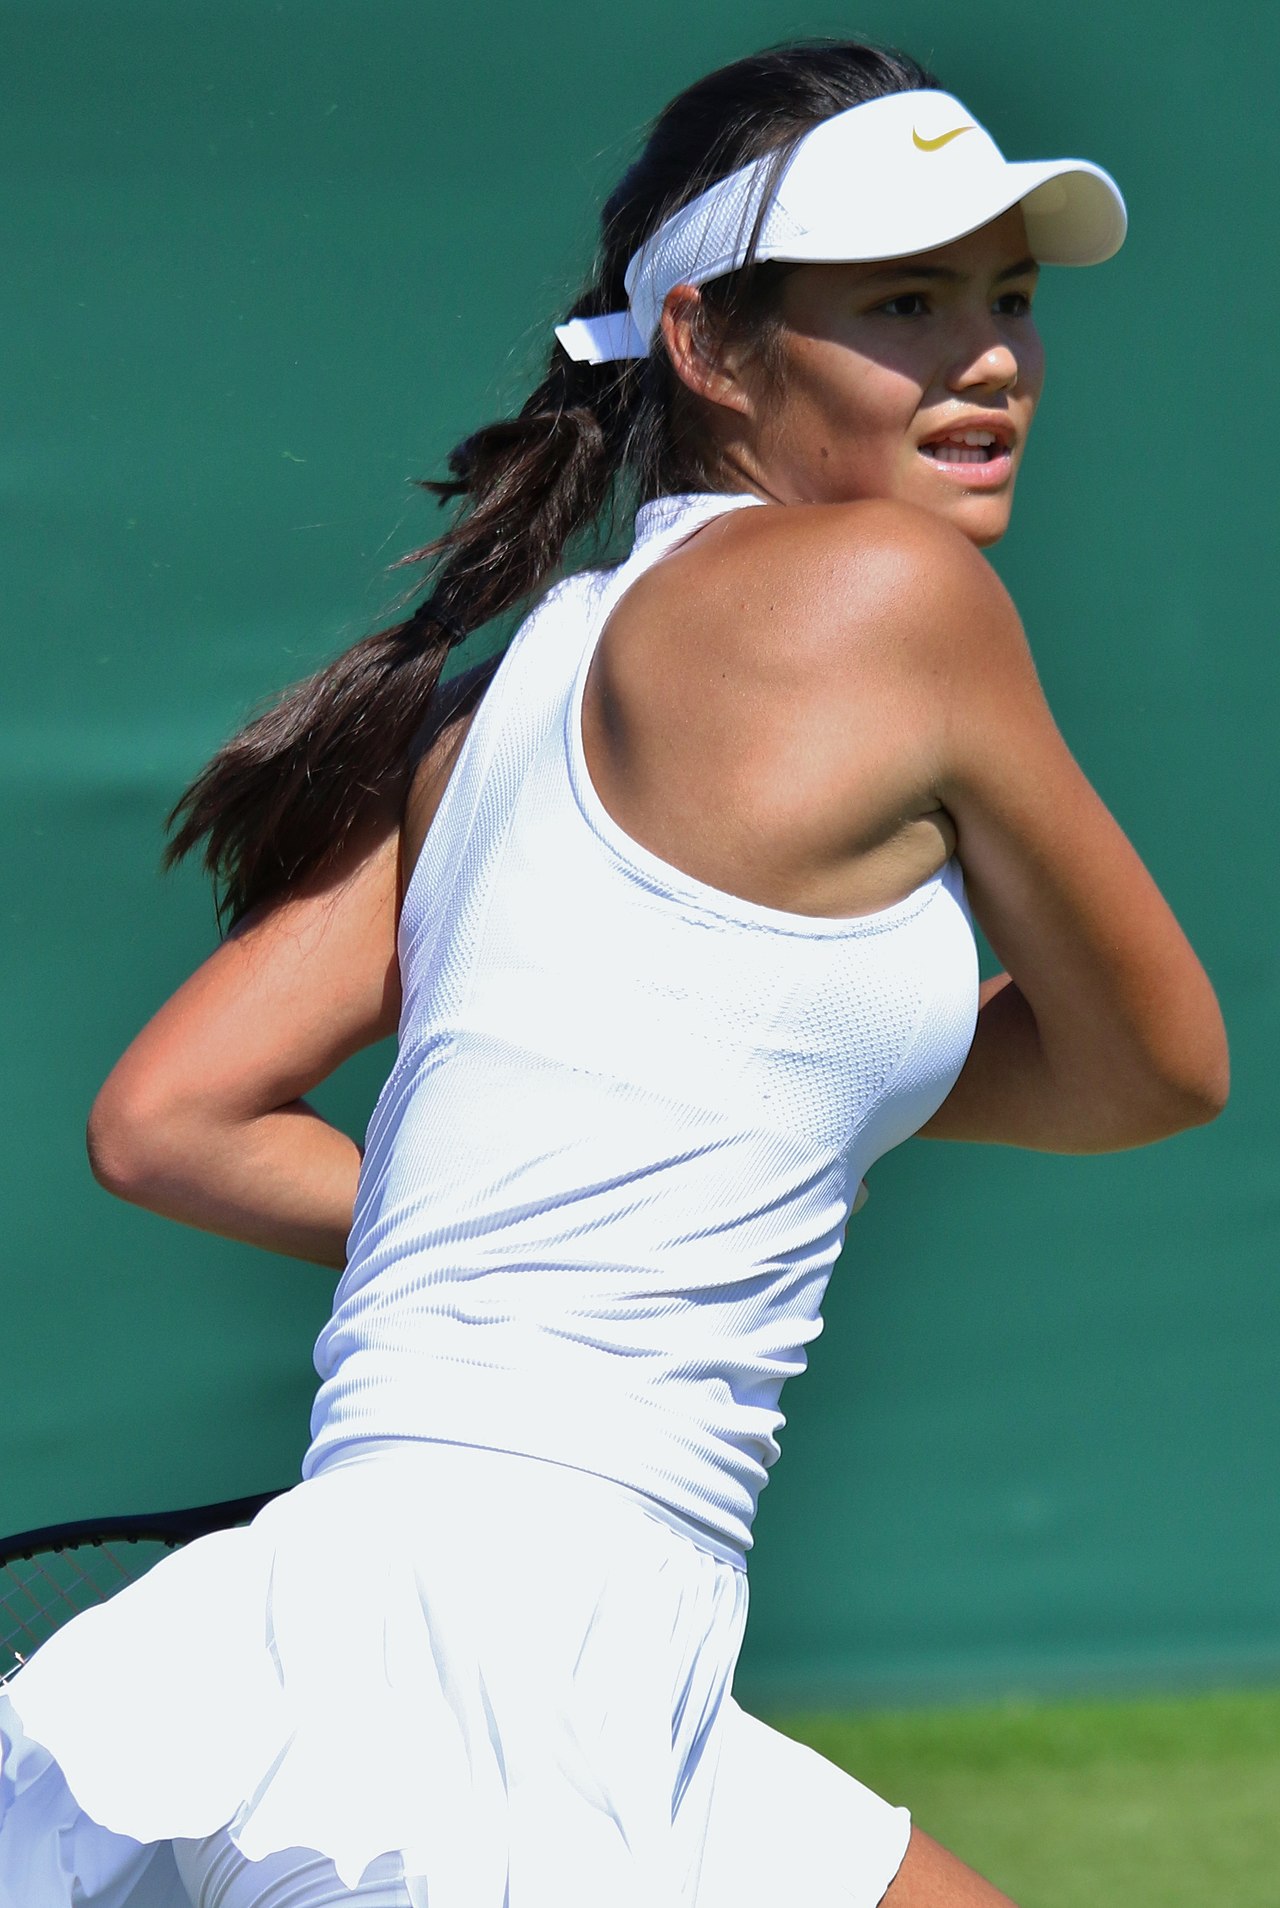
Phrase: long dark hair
pixel 335 752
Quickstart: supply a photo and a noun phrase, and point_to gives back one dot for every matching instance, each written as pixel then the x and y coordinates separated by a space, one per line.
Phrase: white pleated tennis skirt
pixel 430 1676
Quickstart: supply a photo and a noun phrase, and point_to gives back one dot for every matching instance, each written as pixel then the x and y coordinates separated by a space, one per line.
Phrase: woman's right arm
pixel 203 1118
pixel 1107 1033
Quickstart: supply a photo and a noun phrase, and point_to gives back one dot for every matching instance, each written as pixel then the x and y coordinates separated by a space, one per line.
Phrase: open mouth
pixel 972 457
pixel 966 447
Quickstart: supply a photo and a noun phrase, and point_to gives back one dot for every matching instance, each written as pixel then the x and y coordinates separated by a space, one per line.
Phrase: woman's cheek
pixel 1030 355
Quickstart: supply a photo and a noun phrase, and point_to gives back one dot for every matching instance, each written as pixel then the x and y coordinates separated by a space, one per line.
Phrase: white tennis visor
pixel 887 179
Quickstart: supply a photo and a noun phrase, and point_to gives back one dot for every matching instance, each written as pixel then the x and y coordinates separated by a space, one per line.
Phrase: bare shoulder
pixel 867 570
pixel 762 709
pixel 865 606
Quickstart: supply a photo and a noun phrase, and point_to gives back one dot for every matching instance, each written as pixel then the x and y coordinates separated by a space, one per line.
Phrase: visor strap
pixel 603 340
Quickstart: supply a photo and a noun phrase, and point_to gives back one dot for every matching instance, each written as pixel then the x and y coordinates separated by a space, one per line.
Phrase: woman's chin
pixel 983 520
pixel 984 536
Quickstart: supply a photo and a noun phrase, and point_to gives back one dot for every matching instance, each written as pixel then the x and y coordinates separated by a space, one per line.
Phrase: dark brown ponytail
pixel 280 799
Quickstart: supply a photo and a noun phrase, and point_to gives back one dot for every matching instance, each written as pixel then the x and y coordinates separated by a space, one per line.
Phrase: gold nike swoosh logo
pixel 931 145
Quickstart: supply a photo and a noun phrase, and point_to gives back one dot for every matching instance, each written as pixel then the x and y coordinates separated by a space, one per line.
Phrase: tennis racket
pixel 48 1576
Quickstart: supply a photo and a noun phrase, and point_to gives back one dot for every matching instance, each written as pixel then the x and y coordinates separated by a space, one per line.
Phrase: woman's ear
pixel 701 361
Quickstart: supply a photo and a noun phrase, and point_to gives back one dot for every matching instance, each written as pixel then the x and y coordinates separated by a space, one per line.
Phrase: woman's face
pixel 883 362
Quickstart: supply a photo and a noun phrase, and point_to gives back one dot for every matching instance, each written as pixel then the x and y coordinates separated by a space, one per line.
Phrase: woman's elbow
pixel 1199 1104
pixel 1194 1083
pixel 125 1138
pixel 1165 1086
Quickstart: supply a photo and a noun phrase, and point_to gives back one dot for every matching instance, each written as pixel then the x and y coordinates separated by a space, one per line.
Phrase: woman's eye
pixel 1014 304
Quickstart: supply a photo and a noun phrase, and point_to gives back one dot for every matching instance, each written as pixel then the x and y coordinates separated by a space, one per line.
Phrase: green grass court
pixel 1163 1803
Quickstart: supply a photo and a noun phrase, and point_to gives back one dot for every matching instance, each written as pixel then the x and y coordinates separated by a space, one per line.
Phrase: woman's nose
pixel 993 366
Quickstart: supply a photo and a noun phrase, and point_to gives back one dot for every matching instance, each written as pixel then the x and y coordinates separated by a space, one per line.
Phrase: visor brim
pixel 1073 211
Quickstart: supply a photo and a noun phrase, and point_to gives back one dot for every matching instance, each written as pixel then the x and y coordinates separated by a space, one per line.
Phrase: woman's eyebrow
pixel 901 269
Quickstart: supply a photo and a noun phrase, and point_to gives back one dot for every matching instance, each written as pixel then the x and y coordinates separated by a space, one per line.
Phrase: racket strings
pixel 40 1592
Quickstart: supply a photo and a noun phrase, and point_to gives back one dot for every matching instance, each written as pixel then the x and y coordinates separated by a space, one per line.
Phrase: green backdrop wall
pixel 264 264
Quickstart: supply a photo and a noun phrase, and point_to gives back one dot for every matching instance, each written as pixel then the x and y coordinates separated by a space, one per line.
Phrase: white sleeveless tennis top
pixel 607 1179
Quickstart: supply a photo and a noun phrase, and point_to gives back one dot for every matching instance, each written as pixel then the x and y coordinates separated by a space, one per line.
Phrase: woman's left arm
pixel 202 1118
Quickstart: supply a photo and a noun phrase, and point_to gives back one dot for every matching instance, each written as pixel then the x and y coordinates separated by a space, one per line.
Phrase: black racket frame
pixel 171 1527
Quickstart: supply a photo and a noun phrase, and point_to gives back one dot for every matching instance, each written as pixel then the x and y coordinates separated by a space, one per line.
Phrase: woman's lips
pixel 970 467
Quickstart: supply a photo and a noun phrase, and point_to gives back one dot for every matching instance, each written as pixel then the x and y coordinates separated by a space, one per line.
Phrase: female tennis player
pixel 672 915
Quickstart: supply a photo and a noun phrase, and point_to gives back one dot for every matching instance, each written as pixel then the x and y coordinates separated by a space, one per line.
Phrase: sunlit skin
pixel 876 358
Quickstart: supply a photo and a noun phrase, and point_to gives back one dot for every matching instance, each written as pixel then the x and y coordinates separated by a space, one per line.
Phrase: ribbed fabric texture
pixel 607 1179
